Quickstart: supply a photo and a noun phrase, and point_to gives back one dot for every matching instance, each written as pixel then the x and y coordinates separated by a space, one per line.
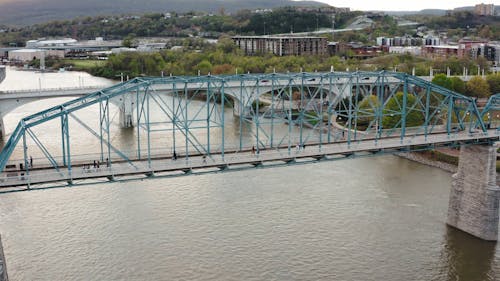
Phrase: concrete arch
pixel 9 105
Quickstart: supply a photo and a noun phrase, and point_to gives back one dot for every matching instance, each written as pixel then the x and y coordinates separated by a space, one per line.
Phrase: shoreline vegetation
pixel 226 59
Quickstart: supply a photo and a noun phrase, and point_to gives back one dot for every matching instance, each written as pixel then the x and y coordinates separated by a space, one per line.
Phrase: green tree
pixel 394 108
pixel 129 41
pixel 367 109
pixel 478 87
pixel 458 85
pixel 204 67
pixel 226 44
pixel 494 83
pixel 442 80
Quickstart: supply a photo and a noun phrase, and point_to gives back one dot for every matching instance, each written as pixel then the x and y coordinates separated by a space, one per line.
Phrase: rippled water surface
pixel 348 220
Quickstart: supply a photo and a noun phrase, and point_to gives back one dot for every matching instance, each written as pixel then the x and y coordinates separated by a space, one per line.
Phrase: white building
pixel 31 54
pixel 123 50
pixel 50 43
pixel 151 47
pixel 416 51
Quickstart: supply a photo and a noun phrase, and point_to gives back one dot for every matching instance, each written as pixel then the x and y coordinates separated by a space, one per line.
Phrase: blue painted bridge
pixel 172 126
pixel 333 114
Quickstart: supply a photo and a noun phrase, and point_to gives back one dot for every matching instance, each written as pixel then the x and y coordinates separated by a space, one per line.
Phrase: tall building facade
pixel 282 45
pixel 485 9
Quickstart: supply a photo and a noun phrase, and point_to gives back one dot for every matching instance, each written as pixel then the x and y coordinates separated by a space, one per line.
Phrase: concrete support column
pixel 3 265
pixel 236 108
pixel 242 109
pixel 474 195
pixel 2 128
pixel 127 112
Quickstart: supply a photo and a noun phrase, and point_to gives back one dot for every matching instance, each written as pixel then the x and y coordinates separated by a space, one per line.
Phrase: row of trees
pixel 226 58
pixel 477 86
pixel 391 112
pixel 392 116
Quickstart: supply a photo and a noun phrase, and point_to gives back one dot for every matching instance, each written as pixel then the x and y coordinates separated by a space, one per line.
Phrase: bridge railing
pixel 287 146
pixel 41 90
pixel 202 162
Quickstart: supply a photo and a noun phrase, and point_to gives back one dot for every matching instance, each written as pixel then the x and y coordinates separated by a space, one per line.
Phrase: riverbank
pixel 429 161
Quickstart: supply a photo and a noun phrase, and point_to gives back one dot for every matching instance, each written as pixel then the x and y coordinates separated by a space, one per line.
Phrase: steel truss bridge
pixel 173 126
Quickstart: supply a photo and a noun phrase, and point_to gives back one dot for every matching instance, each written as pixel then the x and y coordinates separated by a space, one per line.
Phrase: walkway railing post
pixel 290 119
pixel 449 117
pixel 207 105
pixel 349 113
pixel 186 122
pixel 223 98
pixel 301 110
pixel 330 103
pixel 25 152
pixel 138 124
pixel 101 120
pixel 174 119
pixel 403 113
pixel 272 110
pixel 108 121
pixel 321 124
pixel 65 130
pixel 427 109
pixel 356 108
pixel 379 108
pixel 63 142
pixel 148 123
pixel 256 115
pixel 241 115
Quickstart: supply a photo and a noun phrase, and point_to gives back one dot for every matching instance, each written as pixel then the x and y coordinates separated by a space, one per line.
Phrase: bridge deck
pixel 234 160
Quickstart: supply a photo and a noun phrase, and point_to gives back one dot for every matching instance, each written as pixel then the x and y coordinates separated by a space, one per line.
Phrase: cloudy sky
pixel 405 5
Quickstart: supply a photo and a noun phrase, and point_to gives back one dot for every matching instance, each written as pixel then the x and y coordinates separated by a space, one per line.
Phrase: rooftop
pixel 279 37
pixel 26 50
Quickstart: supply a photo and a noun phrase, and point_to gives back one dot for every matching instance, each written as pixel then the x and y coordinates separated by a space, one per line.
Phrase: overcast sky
pixel 405 5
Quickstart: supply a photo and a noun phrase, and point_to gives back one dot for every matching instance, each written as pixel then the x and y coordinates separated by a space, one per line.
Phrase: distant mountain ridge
pixel 435 12
pixel 26 12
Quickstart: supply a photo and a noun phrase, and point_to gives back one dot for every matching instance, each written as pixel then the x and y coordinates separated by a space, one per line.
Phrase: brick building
pixel 282 45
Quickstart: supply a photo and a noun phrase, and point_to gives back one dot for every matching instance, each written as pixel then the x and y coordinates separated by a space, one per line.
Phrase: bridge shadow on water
pixel 465 257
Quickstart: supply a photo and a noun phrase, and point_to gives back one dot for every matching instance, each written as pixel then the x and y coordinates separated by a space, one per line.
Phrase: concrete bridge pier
pixel 3 265
pixel 126 115
pixel 2 128
pixel 474 195
pixel 242 108
pixel 240 111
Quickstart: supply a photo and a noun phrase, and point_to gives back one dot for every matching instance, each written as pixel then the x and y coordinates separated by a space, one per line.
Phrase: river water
pixel 377 218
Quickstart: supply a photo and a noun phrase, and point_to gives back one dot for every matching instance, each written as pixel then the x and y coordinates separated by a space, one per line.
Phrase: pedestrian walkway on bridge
pixel 42 174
